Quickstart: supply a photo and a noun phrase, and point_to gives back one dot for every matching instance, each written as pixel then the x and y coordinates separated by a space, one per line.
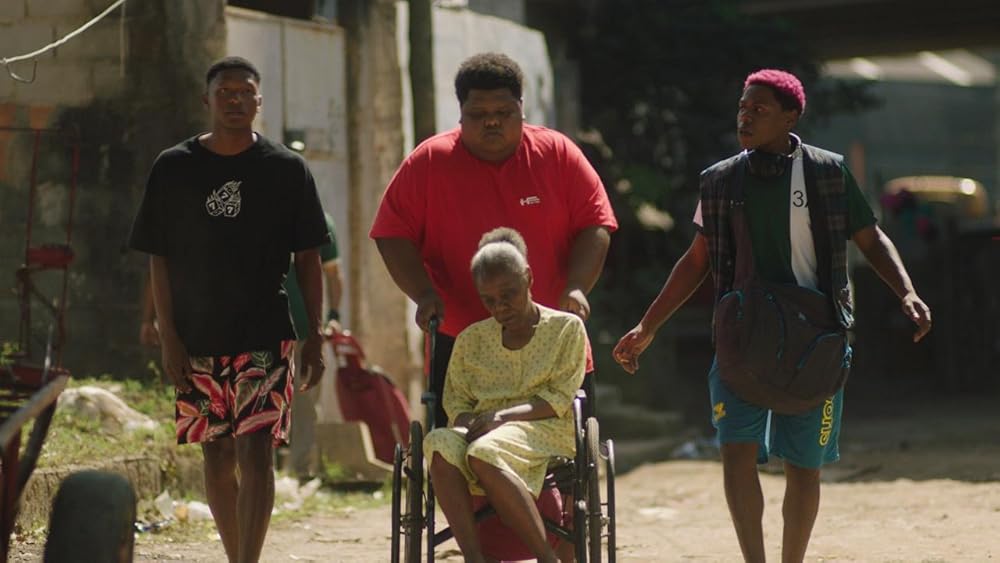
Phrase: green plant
pixel 7 352
pixel 331 472
pixel 154 370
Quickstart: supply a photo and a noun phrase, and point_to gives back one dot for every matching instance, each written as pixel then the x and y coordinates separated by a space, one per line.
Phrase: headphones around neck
pixel 768 164
pixel 764 164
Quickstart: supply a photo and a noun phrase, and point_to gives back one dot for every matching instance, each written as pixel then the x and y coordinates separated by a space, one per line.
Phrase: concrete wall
pixel 303 78
pixel 461 33
pixel 304 88
pixel 124 109
pixel 513 10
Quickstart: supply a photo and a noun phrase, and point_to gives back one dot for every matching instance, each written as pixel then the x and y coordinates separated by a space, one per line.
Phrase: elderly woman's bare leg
pixel 452 493
pixel 515 506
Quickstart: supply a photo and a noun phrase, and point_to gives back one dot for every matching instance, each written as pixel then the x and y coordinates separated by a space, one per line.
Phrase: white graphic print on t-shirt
pixel 225 200
pixel 799 226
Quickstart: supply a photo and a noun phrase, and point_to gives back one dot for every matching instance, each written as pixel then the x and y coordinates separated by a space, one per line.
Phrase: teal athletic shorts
pixel 805 440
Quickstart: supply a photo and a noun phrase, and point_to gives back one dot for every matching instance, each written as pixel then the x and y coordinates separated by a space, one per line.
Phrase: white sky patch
pixel 866 68
pixel 956 66
pixel 945 68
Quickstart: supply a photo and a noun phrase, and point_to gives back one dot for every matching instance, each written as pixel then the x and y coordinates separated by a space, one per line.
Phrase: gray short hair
pixel 501 250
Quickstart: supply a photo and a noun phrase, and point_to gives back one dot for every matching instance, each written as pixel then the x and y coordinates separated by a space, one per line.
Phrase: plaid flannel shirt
pixel 825 186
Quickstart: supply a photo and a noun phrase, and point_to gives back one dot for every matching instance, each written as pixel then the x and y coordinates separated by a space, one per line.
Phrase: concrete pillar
pixel 421 67
pixel 374 96
pixel 995 191
pixel 513 10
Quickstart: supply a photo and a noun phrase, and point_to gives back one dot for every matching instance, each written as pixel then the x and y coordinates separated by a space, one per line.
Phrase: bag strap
pixel 745 271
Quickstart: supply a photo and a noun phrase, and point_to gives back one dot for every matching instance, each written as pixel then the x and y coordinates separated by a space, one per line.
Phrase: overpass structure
pixel 840 29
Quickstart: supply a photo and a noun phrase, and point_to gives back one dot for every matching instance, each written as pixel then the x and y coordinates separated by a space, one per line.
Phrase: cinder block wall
pixel 124 109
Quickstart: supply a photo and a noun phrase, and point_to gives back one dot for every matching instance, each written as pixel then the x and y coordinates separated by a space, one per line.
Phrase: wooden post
pixel 375 146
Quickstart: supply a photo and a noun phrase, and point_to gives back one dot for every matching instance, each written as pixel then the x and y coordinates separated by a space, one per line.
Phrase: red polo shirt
pixel 444 199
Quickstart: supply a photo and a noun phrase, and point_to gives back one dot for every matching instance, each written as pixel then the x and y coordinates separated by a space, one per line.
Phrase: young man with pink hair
pixel 781 212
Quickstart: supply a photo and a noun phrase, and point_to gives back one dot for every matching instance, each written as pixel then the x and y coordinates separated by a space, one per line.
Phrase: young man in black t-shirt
pixel 221 215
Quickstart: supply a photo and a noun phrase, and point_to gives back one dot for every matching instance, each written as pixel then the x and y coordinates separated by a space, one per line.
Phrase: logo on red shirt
pixel 530 200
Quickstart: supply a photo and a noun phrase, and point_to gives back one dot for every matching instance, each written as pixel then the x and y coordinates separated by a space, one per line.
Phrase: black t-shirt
pixel 227 226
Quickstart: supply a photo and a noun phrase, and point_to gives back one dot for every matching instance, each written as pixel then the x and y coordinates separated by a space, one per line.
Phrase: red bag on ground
pixel 368 395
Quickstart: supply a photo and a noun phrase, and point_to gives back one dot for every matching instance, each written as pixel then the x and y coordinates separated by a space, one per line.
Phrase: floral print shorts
pixel 236 395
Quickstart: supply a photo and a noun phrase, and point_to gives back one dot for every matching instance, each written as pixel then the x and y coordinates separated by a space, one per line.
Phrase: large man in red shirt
pixel 492 171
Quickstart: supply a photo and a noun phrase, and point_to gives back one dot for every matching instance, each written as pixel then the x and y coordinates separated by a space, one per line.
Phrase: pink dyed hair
pixel 784 83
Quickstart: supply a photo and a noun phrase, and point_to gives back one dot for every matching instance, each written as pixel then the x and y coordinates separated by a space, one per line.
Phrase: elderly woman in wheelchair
pixel 509 394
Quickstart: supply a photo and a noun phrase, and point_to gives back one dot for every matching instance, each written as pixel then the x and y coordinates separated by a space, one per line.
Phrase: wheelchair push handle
pixel 429 398
pixel 432 331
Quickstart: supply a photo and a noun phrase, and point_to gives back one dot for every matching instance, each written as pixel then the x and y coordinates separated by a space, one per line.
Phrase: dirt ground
pixel 917 482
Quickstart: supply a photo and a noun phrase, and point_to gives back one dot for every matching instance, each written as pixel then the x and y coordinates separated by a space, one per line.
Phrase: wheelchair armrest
pixel 580 407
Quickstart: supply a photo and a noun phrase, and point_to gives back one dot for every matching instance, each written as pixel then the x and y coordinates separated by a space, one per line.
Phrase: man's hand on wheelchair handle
pixel 575 301
pixel 429 305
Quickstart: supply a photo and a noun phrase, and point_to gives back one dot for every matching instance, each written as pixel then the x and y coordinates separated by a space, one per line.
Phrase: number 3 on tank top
pixel 799 198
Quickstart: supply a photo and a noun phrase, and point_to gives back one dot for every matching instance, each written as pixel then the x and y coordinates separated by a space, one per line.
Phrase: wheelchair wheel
pixel 609 476
pixel 595 516
pixel 413 522
pixel 397 499
pixel 579 504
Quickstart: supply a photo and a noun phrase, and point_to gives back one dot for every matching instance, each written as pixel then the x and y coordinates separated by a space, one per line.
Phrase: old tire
pixel 92 520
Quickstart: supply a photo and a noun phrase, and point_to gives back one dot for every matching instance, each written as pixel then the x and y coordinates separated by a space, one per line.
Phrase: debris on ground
pixel 100 404
pixel 697 448
pixel 293 493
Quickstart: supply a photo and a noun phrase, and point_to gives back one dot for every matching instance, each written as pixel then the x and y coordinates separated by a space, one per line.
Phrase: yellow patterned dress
pixel 484 375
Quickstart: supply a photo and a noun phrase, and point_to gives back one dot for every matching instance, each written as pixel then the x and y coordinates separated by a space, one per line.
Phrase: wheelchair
pixel 592 533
